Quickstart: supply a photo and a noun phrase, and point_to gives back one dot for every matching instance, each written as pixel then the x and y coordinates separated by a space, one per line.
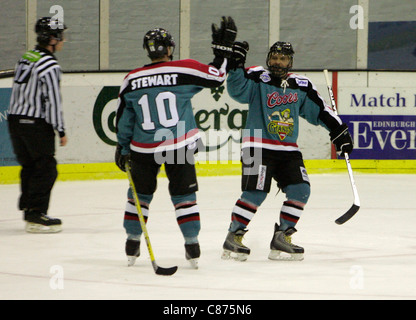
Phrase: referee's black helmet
pixel 46 28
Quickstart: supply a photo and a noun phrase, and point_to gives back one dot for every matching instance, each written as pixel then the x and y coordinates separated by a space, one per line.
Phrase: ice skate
pixel 37 222
pixel 282 248
pixel 192 254
pixel 132 251
pixel 234 248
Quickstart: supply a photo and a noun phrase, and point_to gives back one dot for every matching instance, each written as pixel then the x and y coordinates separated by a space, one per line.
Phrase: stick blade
pixel 165 271
pixel 348 215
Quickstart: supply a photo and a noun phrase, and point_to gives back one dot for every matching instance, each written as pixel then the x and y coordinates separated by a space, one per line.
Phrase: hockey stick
pixel 356 205
pixel 158 270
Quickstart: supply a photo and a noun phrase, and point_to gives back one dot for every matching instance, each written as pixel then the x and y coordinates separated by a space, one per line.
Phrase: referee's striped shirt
pixel 36 88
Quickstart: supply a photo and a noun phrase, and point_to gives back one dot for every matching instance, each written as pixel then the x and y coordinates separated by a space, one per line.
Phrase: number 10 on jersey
pixel 167 111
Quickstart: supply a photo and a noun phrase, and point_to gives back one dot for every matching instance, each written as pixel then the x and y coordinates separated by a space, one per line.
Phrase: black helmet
pixel 281 47
pixel 46 28
pixel 157 41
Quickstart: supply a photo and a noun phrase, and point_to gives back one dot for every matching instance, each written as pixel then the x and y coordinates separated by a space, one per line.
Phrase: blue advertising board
pixel 7 157
pixel 382 136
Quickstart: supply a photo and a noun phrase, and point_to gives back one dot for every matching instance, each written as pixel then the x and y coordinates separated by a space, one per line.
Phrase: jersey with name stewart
pixel 154 110
pixel 275 107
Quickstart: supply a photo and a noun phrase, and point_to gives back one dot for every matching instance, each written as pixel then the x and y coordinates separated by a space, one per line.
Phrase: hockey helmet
pixel 157 42
pixel 46 28
pixel 284 48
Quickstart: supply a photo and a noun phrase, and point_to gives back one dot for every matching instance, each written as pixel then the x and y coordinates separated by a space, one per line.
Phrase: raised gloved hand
pixel 121 159
pixel 223 38
pixel 342 140
pixel 238 59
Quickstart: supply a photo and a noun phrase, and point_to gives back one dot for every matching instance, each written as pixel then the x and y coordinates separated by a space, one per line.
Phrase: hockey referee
pixel 35 113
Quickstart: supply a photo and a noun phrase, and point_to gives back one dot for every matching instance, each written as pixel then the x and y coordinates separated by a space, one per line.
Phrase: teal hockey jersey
pixel 275 106
pixel 154 112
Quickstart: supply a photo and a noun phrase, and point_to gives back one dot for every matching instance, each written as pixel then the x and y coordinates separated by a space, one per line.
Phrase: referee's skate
pixel 37 222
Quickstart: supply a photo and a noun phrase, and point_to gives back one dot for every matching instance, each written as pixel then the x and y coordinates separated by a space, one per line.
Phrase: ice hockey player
pixel 155 126
pixel 276 100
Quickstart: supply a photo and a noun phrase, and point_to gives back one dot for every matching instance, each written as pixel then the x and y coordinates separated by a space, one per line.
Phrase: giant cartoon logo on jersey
pixel 281 123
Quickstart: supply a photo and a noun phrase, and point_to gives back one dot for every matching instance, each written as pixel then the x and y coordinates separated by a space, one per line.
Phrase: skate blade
pixel 131 260
pixel 228 255
pixel 38 228
pixel 285 256
pixel 194 263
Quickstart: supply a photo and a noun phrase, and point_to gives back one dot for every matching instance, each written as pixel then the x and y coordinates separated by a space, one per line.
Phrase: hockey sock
pixel 131 218
pixel 297 196
pixel 187 216
pixel 245 209
pixel 290 214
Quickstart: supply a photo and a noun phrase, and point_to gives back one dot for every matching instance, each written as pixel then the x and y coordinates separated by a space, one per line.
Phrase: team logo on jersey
pixel 281 123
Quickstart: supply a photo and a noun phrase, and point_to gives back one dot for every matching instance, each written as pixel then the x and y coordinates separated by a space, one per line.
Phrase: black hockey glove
pixel 224 37
pixel 120 159
pixel 238 59
pixel 342 140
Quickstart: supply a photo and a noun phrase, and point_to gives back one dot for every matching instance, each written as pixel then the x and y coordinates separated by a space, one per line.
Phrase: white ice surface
pixel 372 256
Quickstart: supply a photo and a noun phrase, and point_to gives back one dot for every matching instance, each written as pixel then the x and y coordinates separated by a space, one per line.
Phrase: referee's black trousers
pixel 33 143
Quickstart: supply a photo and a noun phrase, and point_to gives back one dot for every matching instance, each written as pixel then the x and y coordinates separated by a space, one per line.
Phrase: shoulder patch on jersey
pixel 265 77
pixel 262 73
pixel 32 56
pixel 302 82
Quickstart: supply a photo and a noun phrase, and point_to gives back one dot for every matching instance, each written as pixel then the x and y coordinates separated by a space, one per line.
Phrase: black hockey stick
pixel 158 270
pixel 356 205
